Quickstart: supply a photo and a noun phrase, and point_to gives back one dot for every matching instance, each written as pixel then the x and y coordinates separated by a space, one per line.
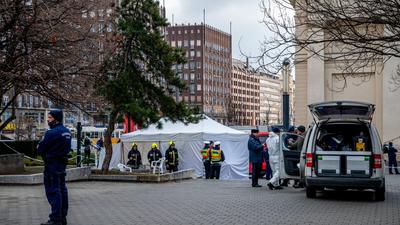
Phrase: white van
pixel 341 150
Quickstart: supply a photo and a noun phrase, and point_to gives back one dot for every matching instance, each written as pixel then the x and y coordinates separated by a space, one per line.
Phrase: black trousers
pixel 172 168
pixel 393 163
pixel 255 173
pixel 87 156
pixel 207 168
pixel 215 170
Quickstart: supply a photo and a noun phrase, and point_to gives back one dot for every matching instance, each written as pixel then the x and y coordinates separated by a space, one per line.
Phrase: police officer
pixel 392 158
pixel 154 154
pixel 217 156
pixel 135 159
pixel 205 153
pixel 54 149
pixel 171 158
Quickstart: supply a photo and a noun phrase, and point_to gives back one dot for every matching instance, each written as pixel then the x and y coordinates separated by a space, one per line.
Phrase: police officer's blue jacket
pixel 255 149
pixel 56 143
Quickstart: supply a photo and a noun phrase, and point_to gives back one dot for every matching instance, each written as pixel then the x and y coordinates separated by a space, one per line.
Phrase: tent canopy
pixel 189 140
pixel 205 126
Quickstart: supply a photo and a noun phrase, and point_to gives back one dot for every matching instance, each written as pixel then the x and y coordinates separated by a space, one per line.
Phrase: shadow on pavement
pixel 349 195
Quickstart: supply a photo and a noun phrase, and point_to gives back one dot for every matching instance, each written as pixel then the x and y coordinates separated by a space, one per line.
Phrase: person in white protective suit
pixel 273 150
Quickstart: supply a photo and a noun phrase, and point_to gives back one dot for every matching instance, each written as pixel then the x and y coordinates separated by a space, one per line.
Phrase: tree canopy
pixel 138 78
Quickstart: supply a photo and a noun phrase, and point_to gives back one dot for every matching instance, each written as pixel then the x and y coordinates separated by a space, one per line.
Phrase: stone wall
pixel 11 163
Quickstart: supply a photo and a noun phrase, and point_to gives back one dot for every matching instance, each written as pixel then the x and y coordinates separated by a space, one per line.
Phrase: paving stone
pixel 201 202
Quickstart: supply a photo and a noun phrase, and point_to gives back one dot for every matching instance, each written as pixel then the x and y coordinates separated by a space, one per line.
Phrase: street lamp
pixel 285 94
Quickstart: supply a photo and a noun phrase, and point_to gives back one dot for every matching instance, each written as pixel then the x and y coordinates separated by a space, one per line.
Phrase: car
pixel 263 137
pixel 331 156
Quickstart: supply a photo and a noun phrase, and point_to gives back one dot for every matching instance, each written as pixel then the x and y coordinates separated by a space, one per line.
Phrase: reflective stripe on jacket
pixel 216 155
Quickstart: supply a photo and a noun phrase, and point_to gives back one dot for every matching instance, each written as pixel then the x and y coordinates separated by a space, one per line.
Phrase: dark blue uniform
pixel 54 149
pixel 392 159
pixel 255 157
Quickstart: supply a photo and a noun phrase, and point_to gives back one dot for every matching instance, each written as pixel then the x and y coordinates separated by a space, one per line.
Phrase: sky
pixel 245 15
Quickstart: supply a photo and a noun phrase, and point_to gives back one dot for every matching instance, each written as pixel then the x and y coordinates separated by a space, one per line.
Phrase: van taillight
pixel 309 160
pixel 377 161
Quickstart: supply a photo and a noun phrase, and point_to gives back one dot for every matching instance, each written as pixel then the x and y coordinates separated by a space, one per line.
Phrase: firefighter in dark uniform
pixel 392 158
pixel 54 149
pixel 171 158
pixel 154 154
pixel 205 154
pixel 135 159
pixel 217 156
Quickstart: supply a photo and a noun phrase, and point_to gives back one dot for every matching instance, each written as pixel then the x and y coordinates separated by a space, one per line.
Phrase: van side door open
pixel 289 155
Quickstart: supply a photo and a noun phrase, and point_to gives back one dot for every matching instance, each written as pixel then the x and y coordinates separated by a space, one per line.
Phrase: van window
pixel 343 137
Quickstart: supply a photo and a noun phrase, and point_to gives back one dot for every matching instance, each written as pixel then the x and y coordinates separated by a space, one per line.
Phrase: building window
pixel 185 31
pixel 192 53
pixel 93 28
pixel 192 65
pixel 198 31
pixel 173 32
pixel 92 14
pixel 198 65
pixel 109 28
pixel 186 66
pixel 199 87
pixel 192 89
pixel 101 12
pixel 173 44
pixel 192 76
pixel 185 43
pixel 198 42
pixel 179 43
pixel 199 76
pixel 179 31
pixel 101 28
pixel 108 12
pixel 192 31
pixel 186 76
pixel 191 43
pixel 84 14
pixel 198 53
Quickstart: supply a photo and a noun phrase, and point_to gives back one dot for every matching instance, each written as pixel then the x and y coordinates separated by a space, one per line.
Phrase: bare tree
pixel 43 49
pixel 360 35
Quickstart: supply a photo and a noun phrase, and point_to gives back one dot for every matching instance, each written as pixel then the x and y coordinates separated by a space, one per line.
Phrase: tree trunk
pixel 108 143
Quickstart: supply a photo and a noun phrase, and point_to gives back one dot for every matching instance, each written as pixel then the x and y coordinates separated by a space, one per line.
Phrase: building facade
pixel 270 99
pixel 244 106
pixel 322 78
pixel 207 72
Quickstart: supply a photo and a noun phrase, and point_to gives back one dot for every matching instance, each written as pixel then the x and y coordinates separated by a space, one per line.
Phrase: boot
pixel 49 222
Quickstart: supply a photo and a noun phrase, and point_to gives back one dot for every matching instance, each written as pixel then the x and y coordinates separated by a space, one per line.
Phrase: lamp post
pixel 285 94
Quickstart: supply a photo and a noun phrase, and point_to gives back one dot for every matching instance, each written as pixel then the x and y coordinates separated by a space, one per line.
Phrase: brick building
pixel 207 72
pixel 245 95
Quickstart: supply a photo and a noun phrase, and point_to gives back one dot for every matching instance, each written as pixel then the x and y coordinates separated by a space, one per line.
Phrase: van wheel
pixel 380 194
pixel 311 192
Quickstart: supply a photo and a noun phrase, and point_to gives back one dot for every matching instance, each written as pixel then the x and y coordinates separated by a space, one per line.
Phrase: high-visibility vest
pixel 205 153
pixel 216 155
pixel 173 156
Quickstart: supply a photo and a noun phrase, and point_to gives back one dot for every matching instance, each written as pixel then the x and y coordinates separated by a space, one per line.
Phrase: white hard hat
pixel 217 143
pixel 206 142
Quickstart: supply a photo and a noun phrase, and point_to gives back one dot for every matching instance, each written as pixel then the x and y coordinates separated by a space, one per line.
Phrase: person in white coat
pixel 273 150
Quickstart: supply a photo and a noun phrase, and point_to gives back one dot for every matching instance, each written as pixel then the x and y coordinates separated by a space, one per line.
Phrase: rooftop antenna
pixel 172 19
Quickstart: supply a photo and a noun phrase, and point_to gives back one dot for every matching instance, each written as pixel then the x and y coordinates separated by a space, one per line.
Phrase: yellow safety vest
pixel 205 153
pixel 216 155
pixel 173 156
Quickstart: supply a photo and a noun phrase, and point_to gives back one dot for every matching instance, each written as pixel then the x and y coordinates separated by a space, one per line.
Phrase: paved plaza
pixel 200 202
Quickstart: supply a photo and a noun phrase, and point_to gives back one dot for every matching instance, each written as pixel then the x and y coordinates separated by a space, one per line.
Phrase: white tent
pixel 189 141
